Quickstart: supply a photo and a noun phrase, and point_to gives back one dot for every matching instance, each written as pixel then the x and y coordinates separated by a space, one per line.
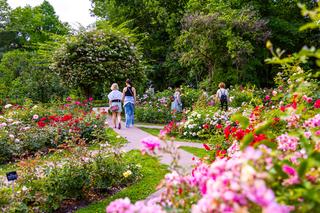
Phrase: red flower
pixel 206 126
pixel 282 108
pixel 41 124
pixel 66 117
pixel 227 132
pixel 206 147
pixel 221 153
pixel 317 104
pixel 43 119
pixel 218 126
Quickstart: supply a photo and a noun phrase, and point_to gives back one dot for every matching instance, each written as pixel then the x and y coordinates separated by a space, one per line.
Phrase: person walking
pixel 115 97
pixel 223 96
pixel 129 99
pixel 176 105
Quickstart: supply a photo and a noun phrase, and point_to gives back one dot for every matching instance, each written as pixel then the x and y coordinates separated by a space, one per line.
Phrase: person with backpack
pixel 223 96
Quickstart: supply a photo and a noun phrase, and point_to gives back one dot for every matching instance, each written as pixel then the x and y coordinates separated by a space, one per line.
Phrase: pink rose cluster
pixel 125 206
pixel 312 122
pixel 226 185
pixel 232 184
pixel 287 143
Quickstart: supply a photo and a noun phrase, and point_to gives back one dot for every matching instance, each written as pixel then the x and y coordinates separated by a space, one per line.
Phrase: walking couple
pixel 128 98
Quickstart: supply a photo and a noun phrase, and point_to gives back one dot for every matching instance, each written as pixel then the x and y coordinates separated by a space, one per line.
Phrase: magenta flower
pixel 289 170
pixel 90 99
pixel 68 99
pixel 151 143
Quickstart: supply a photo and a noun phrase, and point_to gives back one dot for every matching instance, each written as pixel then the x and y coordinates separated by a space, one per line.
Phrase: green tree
pixel 25 74
pixel 218 42
pixel 103 56
pixel 35 24
pixel 157 22
pixel 4 13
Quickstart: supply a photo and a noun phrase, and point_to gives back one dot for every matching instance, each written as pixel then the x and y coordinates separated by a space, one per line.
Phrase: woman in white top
pixel 115 97
pixel 223 96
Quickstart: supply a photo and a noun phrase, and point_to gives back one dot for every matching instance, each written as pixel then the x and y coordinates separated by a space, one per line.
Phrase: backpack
pixel 223 97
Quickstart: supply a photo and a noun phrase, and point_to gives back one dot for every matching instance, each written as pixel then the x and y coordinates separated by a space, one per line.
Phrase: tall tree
pixel 158 22
pixel 35 24
pixel 219 42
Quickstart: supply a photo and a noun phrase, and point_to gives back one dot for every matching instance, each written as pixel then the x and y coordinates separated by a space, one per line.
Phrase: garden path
pixel 134 136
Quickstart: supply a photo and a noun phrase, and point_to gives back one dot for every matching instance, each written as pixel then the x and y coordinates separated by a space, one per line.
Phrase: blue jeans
pixel 129 110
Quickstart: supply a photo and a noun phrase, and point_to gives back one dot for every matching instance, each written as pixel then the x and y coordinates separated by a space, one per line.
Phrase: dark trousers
pixel 224 104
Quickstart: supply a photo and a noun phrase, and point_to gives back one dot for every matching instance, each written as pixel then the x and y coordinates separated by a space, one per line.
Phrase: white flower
pixel 35 117
pixel 7 106
pixel 3 125
pixel 24 188
pixel 118 136
pixel 11 136
pixel 127 173
pixel 16 140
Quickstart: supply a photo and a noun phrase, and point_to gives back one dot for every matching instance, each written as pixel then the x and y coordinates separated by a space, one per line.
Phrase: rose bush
pixel 25 130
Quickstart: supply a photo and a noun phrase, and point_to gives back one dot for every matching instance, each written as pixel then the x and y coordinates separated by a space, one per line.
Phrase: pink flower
pixel 151 143
pixel 267 97
pixel 293 175
pixel 77 103
pixel 68 99
pixel 287 143
pixel 289 170
pixel 274 93
pixel 307 134
pixel 35 117
pixel 90 99
pixel 119 206
pixel 317 104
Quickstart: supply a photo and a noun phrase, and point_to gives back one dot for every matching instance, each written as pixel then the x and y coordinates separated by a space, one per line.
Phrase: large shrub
pixel 102 56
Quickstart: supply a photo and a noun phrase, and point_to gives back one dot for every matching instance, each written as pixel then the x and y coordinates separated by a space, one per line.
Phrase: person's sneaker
pixel 119 126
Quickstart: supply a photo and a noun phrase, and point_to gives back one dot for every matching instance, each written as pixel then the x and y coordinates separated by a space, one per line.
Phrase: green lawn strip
pixel 156 132
pixel 148 124
pixel 198 152
pixel 153 172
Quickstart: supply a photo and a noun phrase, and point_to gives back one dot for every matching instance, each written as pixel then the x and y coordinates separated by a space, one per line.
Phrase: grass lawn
pixel 152 172
pixel 156 132
pixel 198 152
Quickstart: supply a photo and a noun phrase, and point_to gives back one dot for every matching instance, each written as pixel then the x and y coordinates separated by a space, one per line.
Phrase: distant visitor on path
pixel 223 96
pixel 129 100
pixel 176 105
pixel 115 97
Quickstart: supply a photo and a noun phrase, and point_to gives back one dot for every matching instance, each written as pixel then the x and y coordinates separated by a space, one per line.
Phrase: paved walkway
pixel 134 136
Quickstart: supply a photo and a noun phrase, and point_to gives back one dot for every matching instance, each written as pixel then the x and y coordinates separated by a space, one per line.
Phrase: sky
pixel 71 11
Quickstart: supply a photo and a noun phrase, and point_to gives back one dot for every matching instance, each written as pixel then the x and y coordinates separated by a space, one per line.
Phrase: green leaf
pixel 263 127
pixel 246 140
pixel 303 168
pixel 243 121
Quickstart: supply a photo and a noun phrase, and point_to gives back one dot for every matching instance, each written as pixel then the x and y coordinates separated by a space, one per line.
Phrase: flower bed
pixel 81 176
pixel 26 130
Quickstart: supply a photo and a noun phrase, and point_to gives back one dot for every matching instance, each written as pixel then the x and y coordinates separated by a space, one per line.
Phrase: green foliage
pixel 152 173
pixel 216 44
pixel 157 22
pixel 35 24
pixel 27 75
pixel 99 57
